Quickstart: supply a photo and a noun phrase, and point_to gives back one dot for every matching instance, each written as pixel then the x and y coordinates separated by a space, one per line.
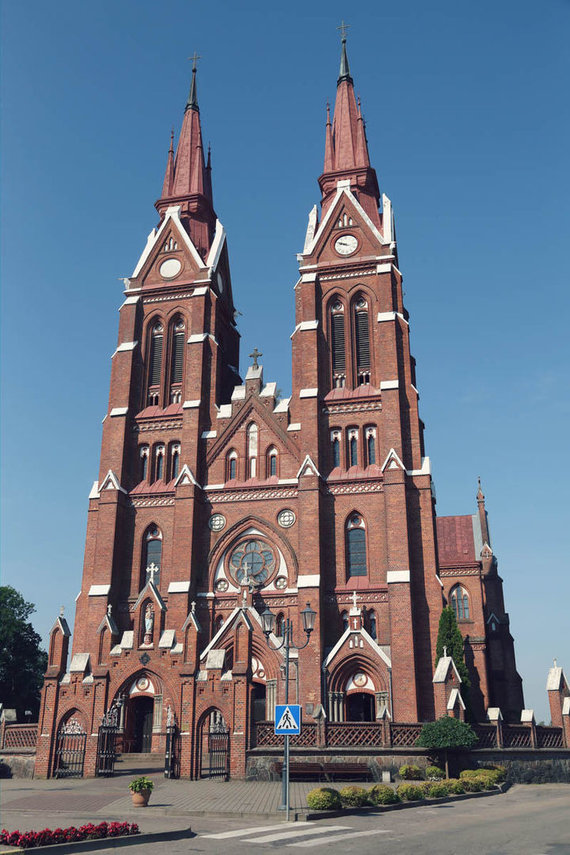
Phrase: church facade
pixel 215 500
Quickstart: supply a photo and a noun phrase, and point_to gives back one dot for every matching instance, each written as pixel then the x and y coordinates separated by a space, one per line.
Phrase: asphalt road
pixel 527 820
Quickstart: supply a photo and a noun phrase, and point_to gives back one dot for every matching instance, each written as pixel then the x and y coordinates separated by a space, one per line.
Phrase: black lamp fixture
pixel 308 614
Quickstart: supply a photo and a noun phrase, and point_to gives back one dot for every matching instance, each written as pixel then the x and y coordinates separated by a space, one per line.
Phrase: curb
pixel 363 811
pixel 107 842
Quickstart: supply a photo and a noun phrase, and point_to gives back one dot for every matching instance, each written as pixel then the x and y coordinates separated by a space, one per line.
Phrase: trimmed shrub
pixel 489 776
pixel 455 787
pixel 425 787
pixel 354 796
pixel 434 773
pixel 438 791
pixel 410 773
pixel 410 792
pixel 382 794
pixel 473 785
pixel 324 798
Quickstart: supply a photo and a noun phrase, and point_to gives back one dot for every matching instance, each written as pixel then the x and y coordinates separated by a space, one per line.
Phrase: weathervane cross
pixel 255 354
pixel 343 28
pixel 195 57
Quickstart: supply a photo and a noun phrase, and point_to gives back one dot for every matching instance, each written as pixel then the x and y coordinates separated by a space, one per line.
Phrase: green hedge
pixel 324 798
pixel 410 792
pixel 410 773
pixel 354 796
pixel 434 773
pixel 382 794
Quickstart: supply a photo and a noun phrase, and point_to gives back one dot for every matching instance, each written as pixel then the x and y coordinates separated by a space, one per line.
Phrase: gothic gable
pixel 169 255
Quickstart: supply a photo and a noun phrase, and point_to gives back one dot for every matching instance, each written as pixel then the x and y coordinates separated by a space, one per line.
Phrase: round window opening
pixel 253 560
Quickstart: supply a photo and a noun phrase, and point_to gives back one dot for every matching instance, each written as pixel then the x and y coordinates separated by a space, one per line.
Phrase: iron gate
pixel 219 753
pixel 70 750
pixel 107 743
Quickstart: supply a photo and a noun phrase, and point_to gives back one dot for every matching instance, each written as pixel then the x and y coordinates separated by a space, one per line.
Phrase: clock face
pixel 345 244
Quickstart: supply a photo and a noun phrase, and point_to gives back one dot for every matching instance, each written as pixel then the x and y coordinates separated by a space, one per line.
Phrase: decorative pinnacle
pixel 344 73
pixel 192 103
pixel 61 611
pixel 444 650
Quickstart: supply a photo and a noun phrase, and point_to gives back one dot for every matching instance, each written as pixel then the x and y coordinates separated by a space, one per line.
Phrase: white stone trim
pixel 224 412
pixel 111 482
pixel 282 406
pixel 185 477
pixel 127 639
pixel 454 697
pixel 442 670
pixel 268 390
pixel 202 291
pixel 392 456
pixel 311 581
pixel 308 393
pixel 288 481
pixel 238 393
pixel 527 715
pixel 425 470
pixel 393 576
pixel 167 639
pixel 308 464
pixel 294 426
pixel 383 268
pixel 179 587
pixel 217 246
pixel 388 384
pixel 94 492
pixel 191 405
pixel 119 411
pixel 172 213
pixel 209 434
pixel 198 338
pixel 566 706
pixel 125 346
pixel 130 301
pixel 99 590
pixel 391 316
pixel 309 277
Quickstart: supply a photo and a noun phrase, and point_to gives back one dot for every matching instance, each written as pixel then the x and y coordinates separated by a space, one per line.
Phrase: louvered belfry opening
pixel 155 365
pixel 177 362
pixel 362 332
pixel 338 347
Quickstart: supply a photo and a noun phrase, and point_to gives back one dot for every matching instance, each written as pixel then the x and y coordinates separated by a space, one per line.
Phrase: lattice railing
pixel 308 736
pixel 486 734
pixel 549 737
pixel 20 736
pixel 516 736
pixel 265 736
pixel 354 733
pixel 404 735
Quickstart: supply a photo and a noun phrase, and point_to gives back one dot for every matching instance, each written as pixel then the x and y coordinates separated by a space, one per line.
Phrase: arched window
pixel 272 463
pixel 177 360
pixel 155 364
pixel 280 625
pixel 370 433
pixel 338 347
pixel 143 471
pixel 335 447
pixel 344 620
pixel 355 546
pixel 231 465
pixel 174 460
pixel 252 443
pixel 362 340
pixel 372 626
pixel 218 624
pixel 353 446
pixel 460 602
pixel 159 463
pixel 152 555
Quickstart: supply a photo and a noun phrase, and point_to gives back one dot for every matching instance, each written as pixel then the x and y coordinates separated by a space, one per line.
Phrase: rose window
pixel 253 560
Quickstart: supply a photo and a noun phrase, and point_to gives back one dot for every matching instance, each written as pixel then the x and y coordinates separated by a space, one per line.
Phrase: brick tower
pixel 216 500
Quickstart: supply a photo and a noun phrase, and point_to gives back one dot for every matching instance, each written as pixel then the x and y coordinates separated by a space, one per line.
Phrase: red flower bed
pixel 31 839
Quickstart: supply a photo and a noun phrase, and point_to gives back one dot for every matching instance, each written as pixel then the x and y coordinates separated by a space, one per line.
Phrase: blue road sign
pixel 287 719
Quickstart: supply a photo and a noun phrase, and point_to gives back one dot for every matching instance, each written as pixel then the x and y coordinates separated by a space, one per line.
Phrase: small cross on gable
pixel 255 354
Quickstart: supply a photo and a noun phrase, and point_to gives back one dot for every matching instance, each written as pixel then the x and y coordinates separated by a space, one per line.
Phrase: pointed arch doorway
pixel 143 714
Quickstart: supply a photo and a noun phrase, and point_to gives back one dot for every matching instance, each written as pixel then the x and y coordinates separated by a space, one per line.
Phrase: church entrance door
pixel 360 707
pixel 141 723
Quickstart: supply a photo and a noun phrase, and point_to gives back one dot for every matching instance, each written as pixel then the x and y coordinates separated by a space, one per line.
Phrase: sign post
pixel 287 723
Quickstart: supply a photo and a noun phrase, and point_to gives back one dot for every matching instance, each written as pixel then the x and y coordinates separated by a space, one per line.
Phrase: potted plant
pixel 141 789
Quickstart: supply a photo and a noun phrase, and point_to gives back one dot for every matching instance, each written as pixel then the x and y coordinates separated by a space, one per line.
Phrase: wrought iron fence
pixel 549 737
pixel 20 736
pixel 350 733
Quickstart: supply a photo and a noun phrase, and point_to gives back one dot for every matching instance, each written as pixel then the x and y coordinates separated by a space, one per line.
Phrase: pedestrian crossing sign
pixel 287 719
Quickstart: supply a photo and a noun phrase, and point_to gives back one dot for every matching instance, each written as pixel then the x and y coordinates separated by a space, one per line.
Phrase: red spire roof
pixel 346 149
pixel 187 181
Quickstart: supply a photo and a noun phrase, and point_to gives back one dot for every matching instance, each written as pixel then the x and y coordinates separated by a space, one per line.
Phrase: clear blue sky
pixel 466 108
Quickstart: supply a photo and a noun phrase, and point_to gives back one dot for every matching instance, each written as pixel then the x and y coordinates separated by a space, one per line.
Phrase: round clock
pixel 345 244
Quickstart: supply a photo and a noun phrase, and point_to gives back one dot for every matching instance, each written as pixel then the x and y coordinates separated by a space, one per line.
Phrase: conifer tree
pixel 449 636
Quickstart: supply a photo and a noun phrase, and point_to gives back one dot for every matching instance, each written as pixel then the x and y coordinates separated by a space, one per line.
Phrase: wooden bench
pixel 300 770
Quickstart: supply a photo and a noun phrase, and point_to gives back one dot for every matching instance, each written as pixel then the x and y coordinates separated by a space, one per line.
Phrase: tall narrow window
pixel 338 347
pixel 155 364
pixel 231 469
pixel 372 627
pixel 335 448
pixel 177 361
pixel 252 442
pixel 152 555
pixel 460 602
pixel 175 460
pixel 144 462
pixel 356 546
pixel 272 463
pixel 159 463
pixel 370 445
pixel 353 447
pixel 344 619
pixel 362 336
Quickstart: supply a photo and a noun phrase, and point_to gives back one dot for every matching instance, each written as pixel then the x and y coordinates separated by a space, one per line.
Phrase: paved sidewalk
pixel 35 804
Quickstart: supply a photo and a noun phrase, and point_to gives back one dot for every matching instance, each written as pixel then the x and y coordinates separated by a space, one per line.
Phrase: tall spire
pixel 192 103
pixel 346 150
pixel 169 173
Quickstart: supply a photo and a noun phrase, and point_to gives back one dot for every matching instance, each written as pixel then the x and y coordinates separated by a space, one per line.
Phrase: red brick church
pixel 216 500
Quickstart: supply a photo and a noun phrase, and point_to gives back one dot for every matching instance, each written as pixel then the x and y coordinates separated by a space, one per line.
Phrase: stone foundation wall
pixel 17 764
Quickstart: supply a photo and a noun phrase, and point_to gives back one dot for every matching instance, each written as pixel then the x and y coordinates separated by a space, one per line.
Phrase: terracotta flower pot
pixel 141 798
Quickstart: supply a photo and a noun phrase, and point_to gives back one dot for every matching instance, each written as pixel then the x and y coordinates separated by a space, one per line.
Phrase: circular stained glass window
pixel 254 560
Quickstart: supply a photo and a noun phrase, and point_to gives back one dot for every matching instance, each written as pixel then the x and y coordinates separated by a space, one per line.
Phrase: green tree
pixel 449 636
pixel 22 662
pixel 446 734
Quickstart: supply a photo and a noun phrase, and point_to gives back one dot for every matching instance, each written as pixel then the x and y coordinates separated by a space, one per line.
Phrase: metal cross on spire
pixel 343 30
pixel 195 57
pixel 255 354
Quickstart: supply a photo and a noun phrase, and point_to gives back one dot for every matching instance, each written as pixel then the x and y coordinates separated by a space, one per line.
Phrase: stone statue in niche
pixel 148 624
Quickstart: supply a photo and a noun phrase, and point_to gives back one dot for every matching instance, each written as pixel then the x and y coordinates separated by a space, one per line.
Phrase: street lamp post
pixel 268 623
